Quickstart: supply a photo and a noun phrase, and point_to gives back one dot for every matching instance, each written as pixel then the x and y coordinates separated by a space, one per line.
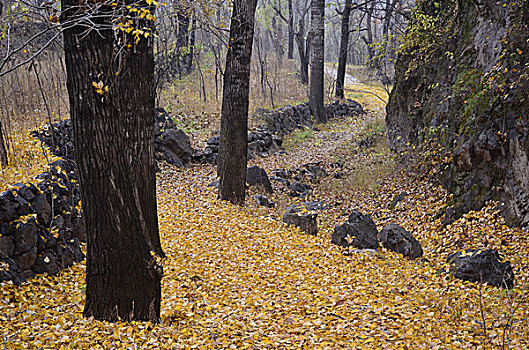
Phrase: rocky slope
pixel 462 79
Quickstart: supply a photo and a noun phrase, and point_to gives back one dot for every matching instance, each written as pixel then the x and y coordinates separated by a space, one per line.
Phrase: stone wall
pixel 41 226
pixel 268 138
pixel 285 120
pixel 171 144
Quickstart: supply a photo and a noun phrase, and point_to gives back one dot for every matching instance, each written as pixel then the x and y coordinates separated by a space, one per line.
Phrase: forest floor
pixel 237 277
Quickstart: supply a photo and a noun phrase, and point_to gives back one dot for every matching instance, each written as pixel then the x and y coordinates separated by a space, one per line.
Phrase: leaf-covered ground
pixel 240 278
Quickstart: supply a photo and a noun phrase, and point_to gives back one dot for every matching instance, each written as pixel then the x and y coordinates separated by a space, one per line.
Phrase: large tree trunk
pixel 234 120
pixel 3 149
pixel 114 143
pixel 317 60
pixel 344 44
pixel 290 31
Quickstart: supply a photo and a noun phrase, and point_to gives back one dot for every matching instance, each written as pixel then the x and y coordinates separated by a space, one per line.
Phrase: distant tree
pixel 3 148
pixel 344 47
pixel 317 60
pixel 290 31
pixel 110 80
pixel 234 120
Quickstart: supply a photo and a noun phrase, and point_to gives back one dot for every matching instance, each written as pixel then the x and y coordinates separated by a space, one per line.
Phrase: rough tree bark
pixel 290 54
pixel 344 45
pixel 114 143
pixel 317 60
pixel 234 118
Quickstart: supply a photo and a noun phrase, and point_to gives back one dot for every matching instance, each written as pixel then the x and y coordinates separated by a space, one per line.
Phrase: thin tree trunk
pixel 303 48
pixel 182 40
pixel 114 144
pixel 234 120
pixel 3 149
pixel 317 60
pixel 290 31
pixel 191 50
pixel 369 39
pixel 344 44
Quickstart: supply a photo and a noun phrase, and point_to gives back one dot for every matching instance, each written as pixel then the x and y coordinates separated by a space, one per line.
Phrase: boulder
pixel 482 266
pixel 46 263
pixel 397 239
pixel 175 147
pixel 298 189
pixel 264 201
pixel 358 231
pixel 306 221
pixel 257 176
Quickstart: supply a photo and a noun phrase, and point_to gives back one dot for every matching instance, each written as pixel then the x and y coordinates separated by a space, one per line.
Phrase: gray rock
pixel 264 201
pixel 358 231
pixel 25 237
pixel 26 260
pixel 256 176
pixel 42 207
pixel 305 221
pixel 397 239
pixel 397 199
pixel 7 246
pixel 482 266
pixel 281 180
pixel 176 147
pixel 46 263
pixel 298 189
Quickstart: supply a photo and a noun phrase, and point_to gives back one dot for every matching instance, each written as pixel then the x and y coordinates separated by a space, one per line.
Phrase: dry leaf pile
pixel 239 278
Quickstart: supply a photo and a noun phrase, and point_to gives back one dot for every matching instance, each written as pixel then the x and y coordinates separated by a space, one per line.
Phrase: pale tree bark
pixel 114 144
pixel 290 31
pixel 234 118
pixel 317 60
pixel 344 45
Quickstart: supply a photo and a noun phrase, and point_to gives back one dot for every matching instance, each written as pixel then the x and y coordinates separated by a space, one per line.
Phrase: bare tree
pixel 344 47
pixel 3 148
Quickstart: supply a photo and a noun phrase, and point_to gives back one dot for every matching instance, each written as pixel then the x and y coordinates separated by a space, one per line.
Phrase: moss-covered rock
pixel 462 77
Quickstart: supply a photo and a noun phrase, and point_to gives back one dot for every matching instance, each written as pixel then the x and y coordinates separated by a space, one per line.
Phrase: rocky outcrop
pixel 482 266
pixel 41 225
pixel 461 86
